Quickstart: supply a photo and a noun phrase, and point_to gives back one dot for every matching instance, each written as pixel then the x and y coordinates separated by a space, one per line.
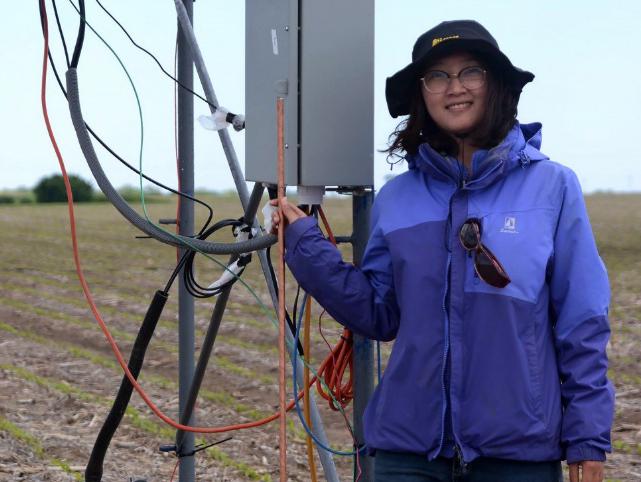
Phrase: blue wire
pixel 294 359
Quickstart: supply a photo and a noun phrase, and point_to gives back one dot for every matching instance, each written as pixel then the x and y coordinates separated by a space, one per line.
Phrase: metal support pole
pixel 325 457
pixel 363 353
pixel 212 332
pixel 187 472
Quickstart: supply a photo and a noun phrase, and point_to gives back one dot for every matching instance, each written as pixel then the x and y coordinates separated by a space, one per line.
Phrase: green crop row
pixel 133 415
pixel 17 285
pixel 621 446
pixel 221 361
pixel 220 398
pixel 34 444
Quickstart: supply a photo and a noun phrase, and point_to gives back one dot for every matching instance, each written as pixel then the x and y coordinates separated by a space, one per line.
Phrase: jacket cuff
pixel 582 452
pixel 296 230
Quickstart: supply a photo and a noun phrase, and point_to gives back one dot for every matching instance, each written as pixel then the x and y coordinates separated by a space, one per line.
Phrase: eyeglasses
pixel 437 81
pixel 486 265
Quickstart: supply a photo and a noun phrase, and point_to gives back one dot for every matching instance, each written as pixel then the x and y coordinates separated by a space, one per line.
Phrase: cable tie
pixel 199 448
pixel 244 260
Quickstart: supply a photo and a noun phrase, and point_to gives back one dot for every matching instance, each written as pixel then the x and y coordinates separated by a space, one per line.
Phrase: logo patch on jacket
pixel 509 226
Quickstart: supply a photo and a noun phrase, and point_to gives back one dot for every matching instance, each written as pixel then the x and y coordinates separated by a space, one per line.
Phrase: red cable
pixel 330 234
pixel 343 393
pixel 333 368
pixel 85 286
pixel 173 473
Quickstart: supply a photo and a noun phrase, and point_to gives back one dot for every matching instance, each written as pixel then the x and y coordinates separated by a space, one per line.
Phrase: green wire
pixel 267 311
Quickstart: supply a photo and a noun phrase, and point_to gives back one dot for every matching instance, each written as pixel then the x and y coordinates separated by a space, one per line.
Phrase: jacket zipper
pixel 464 183
pixel 445 350
pixel 459 465
pixel 446 330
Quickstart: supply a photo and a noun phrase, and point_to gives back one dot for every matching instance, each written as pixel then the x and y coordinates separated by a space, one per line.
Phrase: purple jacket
pixel 527 364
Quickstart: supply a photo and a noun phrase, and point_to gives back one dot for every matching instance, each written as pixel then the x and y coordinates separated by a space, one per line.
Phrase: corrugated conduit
pixel 254 244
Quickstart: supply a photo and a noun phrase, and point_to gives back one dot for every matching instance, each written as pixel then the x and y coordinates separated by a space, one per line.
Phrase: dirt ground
pixel 58 376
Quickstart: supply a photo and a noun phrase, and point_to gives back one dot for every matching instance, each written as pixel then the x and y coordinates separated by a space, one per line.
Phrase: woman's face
pixel 457 110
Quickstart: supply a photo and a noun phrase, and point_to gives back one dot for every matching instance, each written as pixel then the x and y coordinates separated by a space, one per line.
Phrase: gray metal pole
pixel 186 346
pixel 363 353
pixel 326 458
pixel 212 331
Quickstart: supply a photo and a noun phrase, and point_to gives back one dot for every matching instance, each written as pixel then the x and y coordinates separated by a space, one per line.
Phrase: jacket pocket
pixel 501 398
pixel 536 385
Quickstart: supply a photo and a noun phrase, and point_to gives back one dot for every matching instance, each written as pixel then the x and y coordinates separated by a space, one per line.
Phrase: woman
pixel 482 265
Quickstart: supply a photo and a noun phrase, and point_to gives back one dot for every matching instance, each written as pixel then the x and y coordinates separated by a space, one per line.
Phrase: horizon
pixel 584 118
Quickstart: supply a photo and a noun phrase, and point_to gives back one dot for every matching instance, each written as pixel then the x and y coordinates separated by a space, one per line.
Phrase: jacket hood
pixel 519 148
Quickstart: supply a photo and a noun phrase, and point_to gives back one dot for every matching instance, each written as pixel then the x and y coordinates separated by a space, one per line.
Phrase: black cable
pixel 62 36
pixel 186 263
pixel 295 307
pixel 175 272
pixel 113 153
pixel 180 84
pixel 288 319
pixel 80 39
pixel 94 469
pixel 273 194
pixel 194 288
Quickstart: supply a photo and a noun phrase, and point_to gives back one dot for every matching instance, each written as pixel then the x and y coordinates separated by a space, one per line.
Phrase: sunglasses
pixel 486 265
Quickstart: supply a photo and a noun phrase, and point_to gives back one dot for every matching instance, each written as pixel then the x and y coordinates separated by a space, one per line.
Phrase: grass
pixel 220 398
pixel 133 416
pixel 35 446
pixel 37 255
pixel 221 361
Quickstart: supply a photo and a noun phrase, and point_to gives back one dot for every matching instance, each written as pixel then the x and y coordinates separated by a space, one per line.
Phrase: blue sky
pixel 585 54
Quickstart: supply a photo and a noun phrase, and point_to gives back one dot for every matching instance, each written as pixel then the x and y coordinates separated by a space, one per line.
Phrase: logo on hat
pixel 438 40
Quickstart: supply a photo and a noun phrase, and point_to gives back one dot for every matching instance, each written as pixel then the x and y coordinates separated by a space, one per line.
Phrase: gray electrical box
pixel 319 56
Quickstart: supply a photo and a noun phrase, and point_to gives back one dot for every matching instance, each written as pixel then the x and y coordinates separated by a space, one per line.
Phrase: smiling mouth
pixel 458 106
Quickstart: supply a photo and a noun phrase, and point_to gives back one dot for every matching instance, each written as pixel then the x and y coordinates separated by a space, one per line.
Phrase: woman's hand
pixel 291 212
pixel 591 471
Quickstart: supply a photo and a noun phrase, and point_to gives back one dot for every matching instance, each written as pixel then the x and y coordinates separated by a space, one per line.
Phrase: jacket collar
pixel 519 148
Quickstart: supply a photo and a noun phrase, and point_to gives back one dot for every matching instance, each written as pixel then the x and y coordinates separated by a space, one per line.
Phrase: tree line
pixel 51 189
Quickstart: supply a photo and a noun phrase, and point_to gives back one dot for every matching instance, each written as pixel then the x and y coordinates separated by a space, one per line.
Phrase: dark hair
pixel 498 118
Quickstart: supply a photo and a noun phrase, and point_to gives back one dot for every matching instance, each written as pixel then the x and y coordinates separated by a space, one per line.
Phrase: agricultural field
pixel 58 375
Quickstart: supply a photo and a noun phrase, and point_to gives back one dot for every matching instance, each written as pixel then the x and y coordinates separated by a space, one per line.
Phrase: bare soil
pixel 58 376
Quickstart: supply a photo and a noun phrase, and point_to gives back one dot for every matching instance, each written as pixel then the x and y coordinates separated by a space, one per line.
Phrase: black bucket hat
pixel 445 38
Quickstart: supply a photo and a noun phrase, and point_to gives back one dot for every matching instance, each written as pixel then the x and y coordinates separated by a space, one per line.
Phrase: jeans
pixel 408 467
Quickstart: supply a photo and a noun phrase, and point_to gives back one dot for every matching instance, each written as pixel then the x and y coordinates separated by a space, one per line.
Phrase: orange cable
pixel 347 355
pixel 173 473
pixel 333 368
pixel 330 233
pixel 87 291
